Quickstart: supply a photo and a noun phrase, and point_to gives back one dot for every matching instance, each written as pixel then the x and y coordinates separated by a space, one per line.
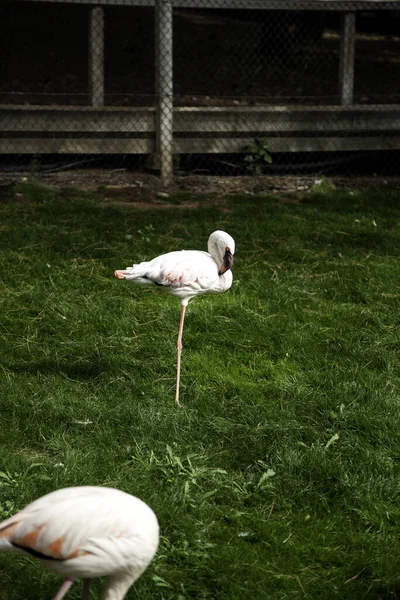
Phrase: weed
pixel 7 509
pixel 323 185
pixel 190 476
pixel 146 233
pixel 257 156
pixel 34 167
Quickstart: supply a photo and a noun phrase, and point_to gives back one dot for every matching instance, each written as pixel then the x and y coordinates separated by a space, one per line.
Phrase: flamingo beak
pixel 228 262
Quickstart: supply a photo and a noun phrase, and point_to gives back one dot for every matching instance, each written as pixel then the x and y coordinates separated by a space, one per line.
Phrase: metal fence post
pixel 346 68
pixel 96 55
pixel 164 87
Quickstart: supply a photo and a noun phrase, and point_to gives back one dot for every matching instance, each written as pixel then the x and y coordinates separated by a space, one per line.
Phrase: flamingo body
pixel 186 274
pixel 87 532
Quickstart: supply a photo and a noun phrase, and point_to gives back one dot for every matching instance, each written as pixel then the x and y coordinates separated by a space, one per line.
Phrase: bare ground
pixel 143 190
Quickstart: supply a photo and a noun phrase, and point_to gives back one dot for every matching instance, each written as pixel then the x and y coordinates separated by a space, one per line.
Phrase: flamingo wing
pixel 183 268
pixel 84 531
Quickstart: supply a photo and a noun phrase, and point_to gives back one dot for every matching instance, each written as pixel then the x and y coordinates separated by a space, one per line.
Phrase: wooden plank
pixel 193 145
pixel 347 51
pixel 75 146
pixel 226 121
pixel 73 120
pixel 331 5
pixel 286 144
pixel 198 130
pixel 283 119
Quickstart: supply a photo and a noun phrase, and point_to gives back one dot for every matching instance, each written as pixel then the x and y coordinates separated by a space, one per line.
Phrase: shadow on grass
pixel 376 199
pixel 90 369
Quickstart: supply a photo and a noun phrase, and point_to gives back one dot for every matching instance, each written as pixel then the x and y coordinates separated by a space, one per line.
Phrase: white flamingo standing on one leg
pixel 186 274
pixel 86 532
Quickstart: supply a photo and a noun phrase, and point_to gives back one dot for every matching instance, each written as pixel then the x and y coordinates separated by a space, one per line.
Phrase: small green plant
pixel 323 185
pixel 185 474
pixel 7 509
pixel 18 479
pixel 257 156
pixel 34 167
pixel 146 233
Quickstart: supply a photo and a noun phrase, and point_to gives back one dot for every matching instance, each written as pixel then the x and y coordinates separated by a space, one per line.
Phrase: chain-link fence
pixel 217 86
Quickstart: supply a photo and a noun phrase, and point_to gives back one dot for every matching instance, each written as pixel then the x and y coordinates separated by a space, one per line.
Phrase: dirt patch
pixel 140 189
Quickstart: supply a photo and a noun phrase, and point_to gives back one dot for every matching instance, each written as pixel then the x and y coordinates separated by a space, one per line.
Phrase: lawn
pixel 279 476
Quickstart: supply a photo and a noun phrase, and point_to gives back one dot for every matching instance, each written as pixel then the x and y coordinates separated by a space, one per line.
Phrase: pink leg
pixel 120 274
pixel 179 348
pixel 63 589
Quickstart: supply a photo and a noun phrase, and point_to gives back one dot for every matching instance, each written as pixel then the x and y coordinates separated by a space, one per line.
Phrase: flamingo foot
pixel 120 274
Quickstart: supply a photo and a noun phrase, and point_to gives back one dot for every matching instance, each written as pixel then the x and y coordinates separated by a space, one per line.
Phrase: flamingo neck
pixel 216 250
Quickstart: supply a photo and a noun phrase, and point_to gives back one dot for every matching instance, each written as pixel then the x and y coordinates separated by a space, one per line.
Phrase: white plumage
pixel 186 274
pixel 86 532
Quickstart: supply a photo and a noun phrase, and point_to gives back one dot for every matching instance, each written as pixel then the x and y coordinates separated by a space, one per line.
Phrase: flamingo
pixel 186 274
pixel 86 532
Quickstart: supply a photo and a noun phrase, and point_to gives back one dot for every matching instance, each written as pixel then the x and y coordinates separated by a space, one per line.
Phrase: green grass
pixel 280 476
